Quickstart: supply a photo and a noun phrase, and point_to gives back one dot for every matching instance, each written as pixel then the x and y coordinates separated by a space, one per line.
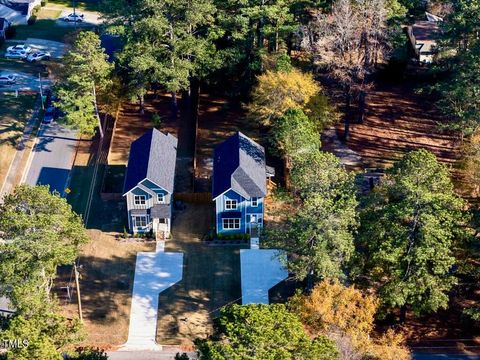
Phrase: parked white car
pixel 38 55
pixel 19 47
pixel 16 54
pixel 74 17
pixel 7 79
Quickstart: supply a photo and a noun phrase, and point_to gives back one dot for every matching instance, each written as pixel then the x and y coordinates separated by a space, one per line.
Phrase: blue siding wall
pixel 138 191
pixel 243 206
pixel 149 184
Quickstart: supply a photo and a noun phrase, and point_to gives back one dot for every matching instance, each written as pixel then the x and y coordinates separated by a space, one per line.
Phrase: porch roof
pixel 161 211
pixel 231 215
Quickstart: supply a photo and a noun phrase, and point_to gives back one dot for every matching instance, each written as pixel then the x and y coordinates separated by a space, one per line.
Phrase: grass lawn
pixel 14 113
pixel 91 5
pixel 211 279
pixel 43 29
pixel 49 14
pixel 107 270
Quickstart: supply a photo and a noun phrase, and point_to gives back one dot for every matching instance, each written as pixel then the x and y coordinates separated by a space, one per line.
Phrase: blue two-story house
pixel 149 182
pixel 239 185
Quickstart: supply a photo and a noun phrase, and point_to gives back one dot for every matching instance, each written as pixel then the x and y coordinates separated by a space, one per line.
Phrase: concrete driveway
pixel 261 270
pixel 154 273
pixel 55 48
pixel 90 18
pixel 52 157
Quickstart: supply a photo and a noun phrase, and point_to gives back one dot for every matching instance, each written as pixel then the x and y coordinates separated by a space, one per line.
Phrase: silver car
pixel 38 55
pixel 7 79
pixel 19 47
pixel 16 54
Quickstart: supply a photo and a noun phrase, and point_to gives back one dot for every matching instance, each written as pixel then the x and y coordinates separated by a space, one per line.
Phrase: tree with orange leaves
pixel 347 315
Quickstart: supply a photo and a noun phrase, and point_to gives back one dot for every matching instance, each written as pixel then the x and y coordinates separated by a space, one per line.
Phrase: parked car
pixel 16 54
pixel 49 115
pixel 7 79
pixel 74 17
pixel 19 47
pixel 37 56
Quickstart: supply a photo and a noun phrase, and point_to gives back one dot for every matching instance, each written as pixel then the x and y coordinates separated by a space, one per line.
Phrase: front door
pixel 253 224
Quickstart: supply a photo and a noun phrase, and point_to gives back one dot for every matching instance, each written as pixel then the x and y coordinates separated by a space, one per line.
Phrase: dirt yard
pixel 218 119
pixel 211 279
pixel 131 124
pixel 398 120
pixel 107 267
pixel 14 113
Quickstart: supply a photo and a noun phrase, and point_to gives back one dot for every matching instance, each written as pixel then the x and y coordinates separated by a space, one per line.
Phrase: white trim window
pixel 140 221
pixel 254 201
pixel 139 199
pixel 231 204
pixel 161 198
pixel 231 224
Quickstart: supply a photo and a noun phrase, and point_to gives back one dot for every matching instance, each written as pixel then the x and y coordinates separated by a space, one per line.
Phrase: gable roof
pixel 152 156
pixel 239 164
pixel 17 5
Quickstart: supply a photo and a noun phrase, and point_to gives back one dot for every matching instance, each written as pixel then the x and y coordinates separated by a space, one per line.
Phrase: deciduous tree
pixel 46 334
pixel 347 315
pixel 347 43
pixel 263 332
pixel 39 231
pixel 279 91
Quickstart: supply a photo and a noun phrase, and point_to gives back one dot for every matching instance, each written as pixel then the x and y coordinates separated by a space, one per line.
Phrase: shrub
pixel 43 2
pixel 32 20
pixel 10 32
pixel 156 119
pixel 36 10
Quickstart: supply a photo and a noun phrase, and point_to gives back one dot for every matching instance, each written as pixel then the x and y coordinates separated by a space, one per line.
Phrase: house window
pixel 139 199
pixel 162 221
pixel 230 204
pixel 140 221
pixel 231 224
pixel 254 201
pixel 160 198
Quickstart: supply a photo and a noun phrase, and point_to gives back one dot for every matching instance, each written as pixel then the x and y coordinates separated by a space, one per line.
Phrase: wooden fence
pixel 195 198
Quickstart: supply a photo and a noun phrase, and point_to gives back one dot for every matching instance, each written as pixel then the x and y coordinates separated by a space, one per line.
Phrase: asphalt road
pixel 166 354
pixel 52 157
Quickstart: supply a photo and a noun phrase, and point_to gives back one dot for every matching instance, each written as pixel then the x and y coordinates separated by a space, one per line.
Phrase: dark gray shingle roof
pixel 160 211
pixel 239 164
pixel 17 5
pixel 152 156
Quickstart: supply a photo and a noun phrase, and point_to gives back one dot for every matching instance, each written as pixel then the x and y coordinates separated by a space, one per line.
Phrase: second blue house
pixel 239 185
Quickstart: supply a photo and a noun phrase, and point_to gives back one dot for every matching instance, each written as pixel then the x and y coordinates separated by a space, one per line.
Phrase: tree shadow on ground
pixel 211 279
pixel 106 287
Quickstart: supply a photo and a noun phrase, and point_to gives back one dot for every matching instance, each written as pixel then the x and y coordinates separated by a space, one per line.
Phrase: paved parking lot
pixel 25 82
pixel 55 48
pixel 52 157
